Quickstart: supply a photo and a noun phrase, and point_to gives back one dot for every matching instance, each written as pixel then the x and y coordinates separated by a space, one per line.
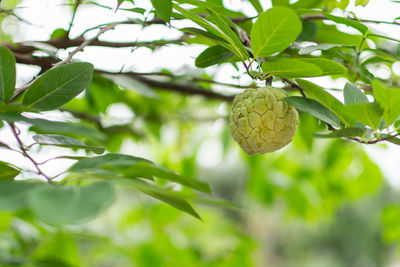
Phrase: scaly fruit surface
pixel 261 121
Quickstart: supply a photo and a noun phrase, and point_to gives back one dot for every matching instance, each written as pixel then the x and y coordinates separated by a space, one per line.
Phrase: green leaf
pixel 131 166
pixel 353 95
pixel 14 194
pixel 280 2
pixel 7 172
pixel 55 127
pixel 65 141
pixel 304 67
pixel 384 37
pixel 58 33
pixel 214 38
pixel 257 6
pixel 163 8
pixel 111 159
pixel 7 74
pixel 327 66
pixel 161 194
pixel 119 3
pixel 290 68
pixel 345 132
pixel 331 35
pixel 314 108
pixel 389 99
pixel 362 2
pixel 199 20
pixel 61 205
pixel 366 113
pixel 326 99
pixel 59 127
pixel 392 139
pixel 212 55
pixel 351 23
pixel 230 36
pixel 8 4
pixel 274 30
pixel 141 169
pixel 58 86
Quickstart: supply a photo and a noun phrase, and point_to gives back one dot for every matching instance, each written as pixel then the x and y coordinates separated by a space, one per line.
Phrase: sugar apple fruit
pixel 261 121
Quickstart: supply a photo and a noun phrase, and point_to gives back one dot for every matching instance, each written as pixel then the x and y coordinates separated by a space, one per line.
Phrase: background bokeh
pixel 317 202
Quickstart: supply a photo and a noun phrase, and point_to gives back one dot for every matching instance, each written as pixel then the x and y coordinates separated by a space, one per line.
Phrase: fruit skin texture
pixel 261 121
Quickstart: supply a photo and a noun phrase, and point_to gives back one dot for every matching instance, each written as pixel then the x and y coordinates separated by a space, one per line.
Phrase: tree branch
pixel 64 43
pixel 173 86
pixel 26 154
pixel 322 17
pixel 65 61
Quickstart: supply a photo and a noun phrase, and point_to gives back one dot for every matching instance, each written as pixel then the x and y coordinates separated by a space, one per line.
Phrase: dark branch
pixel 64 43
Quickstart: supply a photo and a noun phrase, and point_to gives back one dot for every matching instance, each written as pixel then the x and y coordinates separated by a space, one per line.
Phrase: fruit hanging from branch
pixel 261 121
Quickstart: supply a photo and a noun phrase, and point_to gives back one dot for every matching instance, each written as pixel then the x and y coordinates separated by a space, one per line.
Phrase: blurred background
pixel 317 202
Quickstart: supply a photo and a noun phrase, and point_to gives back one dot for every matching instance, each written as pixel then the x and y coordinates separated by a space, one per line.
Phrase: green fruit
pixel 261 120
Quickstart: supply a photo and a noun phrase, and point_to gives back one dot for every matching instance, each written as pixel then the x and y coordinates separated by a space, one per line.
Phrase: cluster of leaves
pixel 59 205
pixel 277 43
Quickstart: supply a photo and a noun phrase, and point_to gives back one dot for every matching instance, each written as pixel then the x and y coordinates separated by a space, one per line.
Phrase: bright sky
pixel 47 15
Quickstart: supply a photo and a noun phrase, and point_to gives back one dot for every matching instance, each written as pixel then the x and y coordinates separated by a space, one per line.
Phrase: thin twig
pixel 25 152
pixel 295 86
pixel 84 44
pixel 322 16
pixel 78 2
pixel 65 61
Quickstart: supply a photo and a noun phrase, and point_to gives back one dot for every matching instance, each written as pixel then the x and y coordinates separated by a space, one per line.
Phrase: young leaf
pixel 327 66
pixel 119 2
pixel 58 86
pixel 163 8
pixel 314 108
pixel 329 101
pixel 366 113
pixel 345 132
pixel 212 55
pixel 65 141
pixel 199 20
pixel 291 68
pixel 210 36
pixel 7 74
pixel 61 205
pixel 230 36
pixel 7 172
pixel 274 30
pixel 389 99
pixel 362 2
pixel 257 6
pixel 353 95
pixel 351 23
pixel 205 34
